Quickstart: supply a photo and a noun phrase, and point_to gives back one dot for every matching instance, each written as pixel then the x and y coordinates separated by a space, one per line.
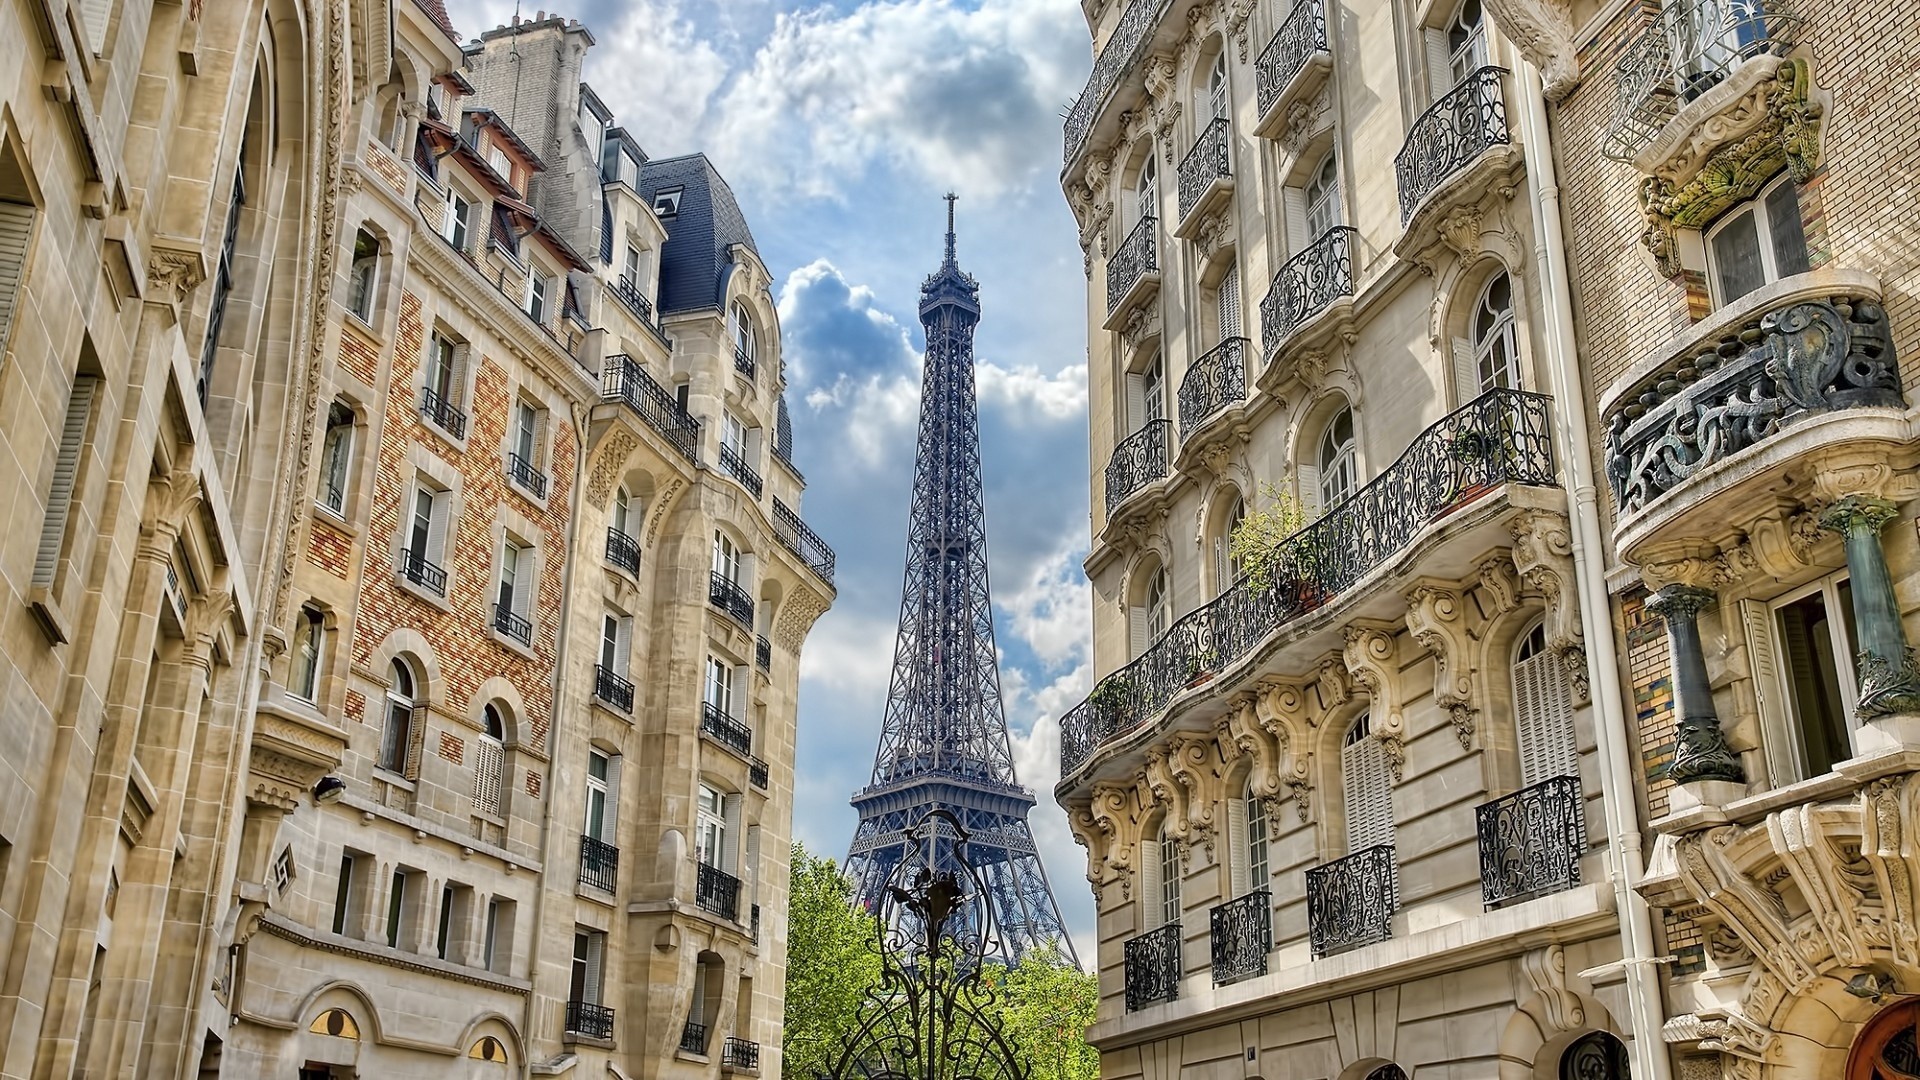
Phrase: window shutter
pixel 1238 864
pixel 728 857
pixel 457 378
pixel 610 820
pixel 1309 478
pixel 16 228
pixel 1369 794
pixel 596 962
pixel 623 646
pixel 1137 617
pixel 1230 304
pixel 488 764
pixel 1543 713
pixel 437 529
pixel 1150 882
pixel 1296 213
pixel 66 468
pixel 1136 402
pixel 1439 63
pixel 1222 564
pixel 94 14
pixel 540 455
pixel 1783 749
pixel 524 583
pixel 1466 372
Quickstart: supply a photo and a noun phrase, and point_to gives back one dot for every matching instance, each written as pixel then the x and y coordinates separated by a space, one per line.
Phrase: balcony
pixel 1122 50
pixel 717 891
pixel 1139 460
pixel 762 653
pixel 512 624
pixel 1206 175
pixel 1212 383
pixel 757 776
pixel 727 595
pixel 623 551
pixel 522 472
pixel 415 568
pixel 802 541
pixel 1691 48
pixel 1449 138
pixel 1153 966
pixel 623 380
pixel 1501 437
pixel 599 864
pixel 739 1055
pixel 590 1019
pixel 1306 285
pixel 743 364
pixel 1133 271
pixel 610 687
pixel 736 466
pixel 443 413
pixel 693 1038
pixel 1242 934
pixel 1292 66
pixel 1351 901
pixel 628 291
pixel 1694 433
pixel 731 733
pixel 1531 841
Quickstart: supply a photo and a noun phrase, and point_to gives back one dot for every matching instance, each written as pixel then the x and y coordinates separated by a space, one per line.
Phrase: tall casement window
pixel 309 645
pixel 616 645
pixel 527 446
pixel 621 520
pixel 1543 711
pixel 1801 647
pixel 1321 200
pixel 489 761
pixel 1146 192
pixel 396 742
pixel 1147 393
pixel 1367 784
pixel 1217 88
pixel 426 538
pixel 444 389
pixel 719 693
pixel 1224 568
pixel 740 330
pixel 1466 42
pixel 363 275
pixel 1227 316
pixel 16 229
pixel 630 269
pixel 1493 341
pixel 345 915
pixel 603 784
pixel 458 219
pixel 336 456
pixel 711 829
pixel 1169 855
pixel 223 271
pixel 1153 615
pixel 513 604
pixel 726 558
pixel 399 905
pixel 1256 818
pixel 1334 473
pixel 66 474
pixel 586 985
pixel 496 943
pixel 1757 242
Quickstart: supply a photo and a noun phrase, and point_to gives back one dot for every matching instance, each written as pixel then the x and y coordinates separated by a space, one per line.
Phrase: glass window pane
pixel 1789 239
pixel 1736 258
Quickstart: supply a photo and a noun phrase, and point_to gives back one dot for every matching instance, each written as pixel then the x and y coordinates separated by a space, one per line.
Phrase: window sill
pixel 336 518
pixel 364 326
pixel 420 592
pixel 458 442
pixel 515 486
pixel 511 644
pixel 385 775
pixel 612 710
pixel 594 895
pixel 574 1038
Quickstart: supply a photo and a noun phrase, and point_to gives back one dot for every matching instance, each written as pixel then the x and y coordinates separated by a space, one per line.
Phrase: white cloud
pixel 1052 611
pixel 1025 391
pixel 1036 755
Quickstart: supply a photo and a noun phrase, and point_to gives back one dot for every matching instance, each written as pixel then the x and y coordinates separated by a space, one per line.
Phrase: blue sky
pixel 839 126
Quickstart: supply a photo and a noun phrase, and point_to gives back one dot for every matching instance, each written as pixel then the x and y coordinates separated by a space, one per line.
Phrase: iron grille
pixel 717 891
pixel 443 413
pixel 1691 48
pixel 763 653
pixel 629 293
pixel 1467 121
pixel 599 863
pixel 1213 382
pixel 610 687
pixel 743 363
pixel 1531 841
pixel 730 732
pixel 753 928
pixel 1153 966
pixel 738 1053
pixel 1307 285
pixel 1501 437
pixel 1209 160
pixel 1351 901
pixel 727 595
pixel 530 479
pixel 589 1019
pixel 1298 39
pixel 1123 48
pixel 623 551
pixel 757 775
pixel 512 624
pixel 1242 934
pixel 417 569
pixel 1140 459
pixel 738 468
pixel 693 1038
pixel 1136 257
pixel 625 381
pixel 802 541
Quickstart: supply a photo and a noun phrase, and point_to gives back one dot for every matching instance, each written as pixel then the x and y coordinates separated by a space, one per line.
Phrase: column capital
pixel 1859 513
pixel 1684 602
pixel 1889 686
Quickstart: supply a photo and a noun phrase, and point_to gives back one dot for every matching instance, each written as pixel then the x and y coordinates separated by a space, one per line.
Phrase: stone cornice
pixel 286 929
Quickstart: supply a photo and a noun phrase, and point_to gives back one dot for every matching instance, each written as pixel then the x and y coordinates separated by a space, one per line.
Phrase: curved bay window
pixel 1757 242
pixel 1494 341
pixel 396 742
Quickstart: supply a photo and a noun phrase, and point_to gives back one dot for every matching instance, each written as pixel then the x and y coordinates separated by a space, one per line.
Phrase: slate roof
pixel 694 263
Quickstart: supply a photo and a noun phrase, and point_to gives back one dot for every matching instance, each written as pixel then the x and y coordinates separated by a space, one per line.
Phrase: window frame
pixel 336 452
pixel 363 278
pixel 1765 237
pixel 1503 334
pixel 402 707
pixel 710 827
pixel 1785 724
pixel 1320 198
pixel 1337 472
pixel 1473 44
pixel 308 652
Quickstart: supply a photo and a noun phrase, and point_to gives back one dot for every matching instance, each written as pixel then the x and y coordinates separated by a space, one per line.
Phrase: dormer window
pixel 666 204
pixel 501 163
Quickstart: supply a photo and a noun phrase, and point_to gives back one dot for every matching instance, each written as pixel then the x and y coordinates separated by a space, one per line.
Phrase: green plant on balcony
pixel 1202 666
pixel 1111 699
pixel 1258 543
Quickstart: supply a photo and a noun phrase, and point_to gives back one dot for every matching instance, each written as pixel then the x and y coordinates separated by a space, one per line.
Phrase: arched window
pixel 1543 711
pixel 1367 786
pixel 1153 391
pixel 1494 341
pixel 1466 41
pixel 363 275
pixel 309 641
pixel 1217 88
pixel 1596 1055
pixel 740 329
pixel 1336 471
pixel 489 761
pixel 1169 878
pixel 1159 605
pixel 1322 198
pixel 336 455
pixel 1886 1048
pixel 396 743
pixel 1388 1072
pixel 1146 199
pixel 1224 568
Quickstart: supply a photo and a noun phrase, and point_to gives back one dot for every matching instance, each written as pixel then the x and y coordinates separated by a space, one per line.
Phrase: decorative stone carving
pixel 1158 73
pixel 1282 711
pixel 1434 617
pixel 1303 120
pixel 1239 13
pixel 1499 584
pixel 1190 763
pixel 1143 324
pixel 1543 557
pixel 1543 30
pixel 1546 971
pixel 1159 782
pixel 1370 658
pixel 1757 914
pixel 1885 809
pixel 609 461
pixel 1700 750
pixel 1889 673
pixel 1108 809
pixel 174 272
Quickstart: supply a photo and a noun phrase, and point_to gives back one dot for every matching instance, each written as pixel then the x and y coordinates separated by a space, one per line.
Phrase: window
pixel 1494 341
pixel 1154 614
pixel 365 269
pixel 616 642
pixel 1337 471
pixel 496 947
pixel 66 471
pixel 223 273
pixel 632 273
pixel 1322 199
pixel 449 940
pixel 710 829
pixel 740 330
pixel 726 558
pixel 1757 242
pixel 309 638
pixel 1257 867
pixel 396 744
pixel 336 452
pixel 397 907
pixel 733 434
pixel 527 452
pixel 1227 298
pixel 443 391
pixel 16 228
pixel 1225 570
pixel 489 761
pixel 459 219
pixel 621 521
pixel 501 163
pixel 1169 878
pixel 514 604
pixel 720 685
pixel 589 958
pixel 600 807
pixel 667 203
pixel 1801 648
pixel 426 539
pixel 1466 42
pixel 1543 711
pixel 1217 88
pixel 1146 198
pixel 1147 393
pixel 1368 787
pixel 592 128
pixel 538 285
pixel 343 894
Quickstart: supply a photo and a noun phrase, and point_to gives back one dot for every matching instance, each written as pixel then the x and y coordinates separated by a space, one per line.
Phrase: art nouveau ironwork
pixel 1351 901
pixel 1213 382
pixel 1464 123
pixel 1136 257
pixel 1690 48
pixel 1139 460
pixel 1307 285
pixel 1153 966
pixel 1122 50
pixel 1531 841
pixel 1207 162
pixel 1241 933
pixel 1298 39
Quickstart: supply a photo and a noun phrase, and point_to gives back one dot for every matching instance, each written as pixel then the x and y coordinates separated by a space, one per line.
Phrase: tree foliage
pixel 1256 544
pixel 1046 1005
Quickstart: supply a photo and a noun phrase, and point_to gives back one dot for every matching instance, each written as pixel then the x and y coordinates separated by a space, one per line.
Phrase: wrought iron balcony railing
pixel 1139 460
pixel 1531 841
pixel 1136 257
pixel 444 414
pixel 415 567
pixel 717 891
pixel 1307 285
pixel 1122 50
pixel 629 293
pixel 1467 121
pixel 1298 39
pixel 753 924
pixel 512 624
pixel 731 733
pixel 727 595
pixel 1501 437
pixel 522 472
pixel 599 864
pixel 1209 160
pixel 737 467
pixel 1351 901
pixel 762 653
pixel 744 364
pixel 1691 48
pixel 1153 966
pixel 758 777
pixel 1213 382
pixel 738 1053
pixel 1242 934
pixel 623 551
pixel 693 1038
pixel 802 541
pixel 609 686
pixel 588 1018
pixel 625 381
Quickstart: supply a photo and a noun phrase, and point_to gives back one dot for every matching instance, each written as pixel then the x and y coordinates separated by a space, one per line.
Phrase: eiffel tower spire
pixel 943 742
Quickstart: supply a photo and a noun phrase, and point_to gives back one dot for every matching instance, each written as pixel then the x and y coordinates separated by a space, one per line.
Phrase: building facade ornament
pixel 1543 30
pixel 1436 620
pixel 1889 673
pixel 1700 750
pixel 1372 660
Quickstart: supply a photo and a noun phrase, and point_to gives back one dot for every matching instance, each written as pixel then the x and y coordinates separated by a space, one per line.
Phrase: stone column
pixel 1702 760
pixel 1889 677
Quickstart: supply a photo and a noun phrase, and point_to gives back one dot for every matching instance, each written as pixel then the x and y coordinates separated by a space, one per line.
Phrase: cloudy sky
pixel 839 126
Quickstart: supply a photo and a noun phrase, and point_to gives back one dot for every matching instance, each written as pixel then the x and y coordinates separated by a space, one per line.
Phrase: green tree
pixel 832 962
pixel 1046 1006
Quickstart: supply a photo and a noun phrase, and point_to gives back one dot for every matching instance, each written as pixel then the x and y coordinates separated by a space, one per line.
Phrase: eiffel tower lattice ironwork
pixel 943 744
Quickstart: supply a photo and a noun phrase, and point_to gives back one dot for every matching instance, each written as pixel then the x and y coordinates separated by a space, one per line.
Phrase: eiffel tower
pixel 944 740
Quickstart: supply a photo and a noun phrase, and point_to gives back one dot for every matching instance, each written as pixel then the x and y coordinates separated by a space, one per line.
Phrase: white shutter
pixel 95 15
pixel 489 762
pixel 16 228
pixel 457 379
pixel 437 523
pixel 623 646
pixel 524 583
pixel 1222 564
pixel 1466 372
pixel 1150 882
pixel 1136 403
pixel 1439 63
pixel 1543 713
pixel 596 963
pixel 1309 478
pixel 1241 882
pixel 1230 303
pixel 728 858
pixel 1784 760
pixel 539 457
pixel 1369 794
pixel 66 467
pixel 610 818
pixel 1296 216
pixel 1137 618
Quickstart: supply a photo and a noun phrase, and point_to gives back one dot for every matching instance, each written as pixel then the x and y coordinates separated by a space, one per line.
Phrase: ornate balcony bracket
pixel 1291 68
pixel 1544 32
pixel 1455 153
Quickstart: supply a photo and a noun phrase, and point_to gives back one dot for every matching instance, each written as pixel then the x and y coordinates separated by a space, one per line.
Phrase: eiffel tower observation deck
pixel 943 743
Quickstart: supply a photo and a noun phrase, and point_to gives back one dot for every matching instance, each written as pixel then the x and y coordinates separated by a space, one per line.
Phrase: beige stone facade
pixel 403 683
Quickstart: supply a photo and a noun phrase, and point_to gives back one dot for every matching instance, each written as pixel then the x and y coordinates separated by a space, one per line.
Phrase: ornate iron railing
pixel 802 541
pixel 693 1038
pixel 762 653
pixel 1140 459
pixel 443 413
pixel 415 567
pixel 623 551
pixel 625 381
pixel 727 595
pixel 530 479
pixel 738 468
pixel 730 732
pixel 629 293
pixel 1531 841
pixel 1153 966
pixel 1298 39
pixel 738 1053
pixel 1137 256
pixel 1691 48
pixel 1743 387
pixel 610 687
pixel 1501 437
pixel 743 363
pixel 1242 933
pixel 758 777
pixel 599 864
pixel 590 1019
pixel 1467 121
pixel 1213 382
pixel 1351 901
pixel 512 624
pixel 1122 50
pixel 1307 285
pixel 717 891
pixel 1209 160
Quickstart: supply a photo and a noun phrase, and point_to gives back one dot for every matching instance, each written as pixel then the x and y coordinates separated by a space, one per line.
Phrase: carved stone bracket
pixel 1371 659
pixel 1109 812
pixel 1190 763
pixel 1543 557
pixel 1282 711
pixel 1241 733
pixel 1435 618
pixel 1543 30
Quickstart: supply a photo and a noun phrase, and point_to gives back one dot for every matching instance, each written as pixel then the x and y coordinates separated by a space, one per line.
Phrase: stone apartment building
pixel 345 715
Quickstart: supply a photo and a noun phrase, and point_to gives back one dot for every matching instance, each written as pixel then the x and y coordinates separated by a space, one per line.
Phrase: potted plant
pixel 1202 666
pixel 1257 543
pixel 1110 700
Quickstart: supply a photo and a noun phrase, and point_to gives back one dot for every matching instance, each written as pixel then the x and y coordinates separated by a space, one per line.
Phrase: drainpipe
pixel 1624 862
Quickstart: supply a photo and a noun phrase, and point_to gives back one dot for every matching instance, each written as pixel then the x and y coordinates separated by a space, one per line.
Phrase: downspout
pixel 1624 861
